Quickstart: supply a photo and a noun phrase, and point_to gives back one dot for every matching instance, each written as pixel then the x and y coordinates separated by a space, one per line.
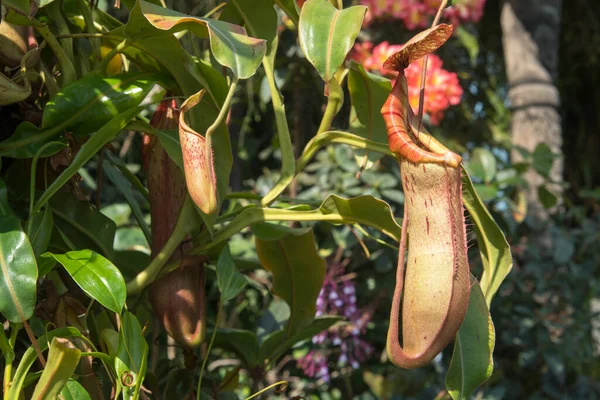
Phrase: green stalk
pixel 185 223
pixel 91 28
pixel 210 345
pixel 283 134
pixel 9 356
pixel 334 103
pixel 329 137
pixel 68 70
pixel 54 12
pixel 223 112
pixel 117 50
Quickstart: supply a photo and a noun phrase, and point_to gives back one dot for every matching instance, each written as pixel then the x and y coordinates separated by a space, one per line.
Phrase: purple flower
pixel 337 297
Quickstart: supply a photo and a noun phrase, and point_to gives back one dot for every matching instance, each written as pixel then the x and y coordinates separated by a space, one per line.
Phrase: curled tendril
pixel 127 379
pixel 280 387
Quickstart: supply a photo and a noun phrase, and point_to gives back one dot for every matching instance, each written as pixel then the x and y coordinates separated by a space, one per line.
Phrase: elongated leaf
pixel 366 210
pixel 368 92
pixel 229 43
pixel 19 271
pixel 96 276
pixel 231 281
pixel 23 6
pixel 124 186
pixel 482 164
pixel 298 271
pixel 40 230
pixel 74 391
pixel 87 151
pixel 327 34
pixel 277 344
pixel 493 247
pixel 242 342
pixel 13 92
pixel 83 224
pixel 130 362
pixel 5 208
pixel 81 107
pixel 63 358
pixel 472 362
pixel 27 139
pixel 258 16
pixel 30 356
pixel 93 100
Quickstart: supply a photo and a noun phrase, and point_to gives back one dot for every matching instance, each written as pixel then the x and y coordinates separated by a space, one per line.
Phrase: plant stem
pixel 223 111
pixel 185 223
pixel 282 386
pixel 66 65
pixel 38 154
pixel 82 35
pixel 329 137
pixel 117 50
pixel 91 28
pixel 283 134
pixel 210 344
pixel 438 15
pixel 9 355
pixel 335 99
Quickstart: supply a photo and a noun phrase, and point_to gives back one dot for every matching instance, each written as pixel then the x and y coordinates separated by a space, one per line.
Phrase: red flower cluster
pixel 416 14
pixel 442 88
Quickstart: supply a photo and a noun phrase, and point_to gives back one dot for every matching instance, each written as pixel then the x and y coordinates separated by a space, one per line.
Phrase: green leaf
pixel 40 227
pixel 124 186
pixel 19 271
pixel 5 208
pixel 74 391
pixel 547 198
pixel 258 16
pixel 63 358
pixel 229 43
pixel 96 276
pixel 132 355
pixel 87 151
pixel 240 341
pixel 483 164
pixel 21 5
pixel 83 224
pixel 472 362
pixel 27 139
pixel 277 344
pixel 289 7
pixel 368 92
pixel 366 210
pixel 469 42
pixel 82 107
pixel 231 281
pixel 327 34
pixel 93 100
pixel 493 247
pixel 542 159
pixel 298 272
pixel 12 92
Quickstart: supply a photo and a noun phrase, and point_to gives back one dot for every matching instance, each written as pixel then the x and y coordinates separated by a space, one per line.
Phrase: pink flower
pixel 382 52
pixel 442 88
pixel 463 11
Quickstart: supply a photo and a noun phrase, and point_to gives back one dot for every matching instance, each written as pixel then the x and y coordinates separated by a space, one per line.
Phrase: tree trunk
pixel 530 39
